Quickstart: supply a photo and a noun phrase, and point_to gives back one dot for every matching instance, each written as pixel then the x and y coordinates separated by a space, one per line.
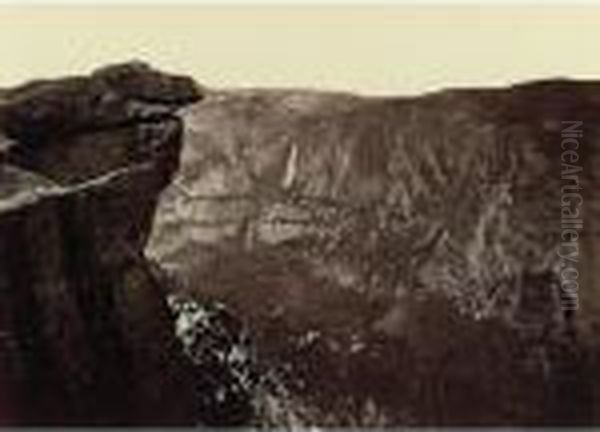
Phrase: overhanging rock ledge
pixel 85 334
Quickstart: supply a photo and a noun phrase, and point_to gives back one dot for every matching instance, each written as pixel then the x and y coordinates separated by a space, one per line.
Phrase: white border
pixel 300 2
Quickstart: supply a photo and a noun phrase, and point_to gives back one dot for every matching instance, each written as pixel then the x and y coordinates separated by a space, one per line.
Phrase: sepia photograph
pixel 299 217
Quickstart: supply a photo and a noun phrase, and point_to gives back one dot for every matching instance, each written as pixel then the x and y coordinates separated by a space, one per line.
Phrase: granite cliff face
pixel 178 255
pixel 85 333
pixel 395 258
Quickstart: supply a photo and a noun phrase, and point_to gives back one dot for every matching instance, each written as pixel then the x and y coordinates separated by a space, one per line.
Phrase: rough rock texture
pixel 85 333
pixel 395 257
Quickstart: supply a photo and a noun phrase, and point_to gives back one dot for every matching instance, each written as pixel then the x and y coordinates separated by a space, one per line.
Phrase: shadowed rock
pixel 85 333
pixel 110 97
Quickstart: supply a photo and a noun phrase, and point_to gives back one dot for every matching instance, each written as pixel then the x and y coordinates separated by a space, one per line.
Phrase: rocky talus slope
pixel 395 258
pixel 86 336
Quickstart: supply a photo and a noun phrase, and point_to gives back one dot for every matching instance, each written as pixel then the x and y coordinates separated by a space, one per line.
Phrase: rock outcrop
pixel 85 333
pixel 376 261
pixel 396 258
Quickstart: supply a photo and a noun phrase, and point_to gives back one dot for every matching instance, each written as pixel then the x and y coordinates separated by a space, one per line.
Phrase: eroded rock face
pixel 395 257
pixel 85 333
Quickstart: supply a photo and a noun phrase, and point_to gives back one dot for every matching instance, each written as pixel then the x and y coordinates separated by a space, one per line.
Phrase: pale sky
pixel 377 50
